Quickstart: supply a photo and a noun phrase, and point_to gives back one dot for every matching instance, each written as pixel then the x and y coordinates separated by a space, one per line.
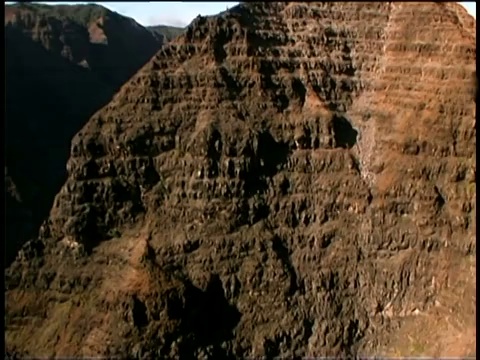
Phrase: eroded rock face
pixel 292 179
pixel 63 63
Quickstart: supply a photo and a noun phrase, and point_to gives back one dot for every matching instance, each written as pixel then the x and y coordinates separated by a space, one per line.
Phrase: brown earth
pixel 284 179
pixel 63 63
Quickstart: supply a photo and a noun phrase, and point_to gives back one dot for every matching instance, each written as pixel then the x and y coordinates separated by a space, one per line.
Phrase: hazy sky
pixel 181 13
pixel 471 7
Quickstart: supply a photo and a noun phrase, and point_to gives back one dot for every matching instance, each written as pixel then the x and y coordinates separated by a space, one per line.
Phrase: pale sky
pixel 182 13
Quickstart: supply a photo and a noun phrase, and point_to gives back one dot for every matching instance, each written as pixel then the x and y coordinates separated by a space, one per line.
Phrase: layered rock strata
pixel 284 179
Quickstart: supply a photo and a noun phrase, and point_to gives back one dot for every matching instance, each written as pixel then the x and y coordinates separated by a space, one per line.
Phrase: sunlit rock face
pixel 284 179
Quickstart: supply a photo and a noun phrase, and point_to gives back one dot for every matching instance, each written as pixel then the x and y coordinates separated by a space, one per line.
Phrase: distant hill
pixel 166 32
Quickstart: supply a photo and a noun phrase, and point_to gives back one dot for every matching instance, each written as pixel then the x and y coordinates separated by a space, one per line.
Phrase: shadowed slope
pixel 62 64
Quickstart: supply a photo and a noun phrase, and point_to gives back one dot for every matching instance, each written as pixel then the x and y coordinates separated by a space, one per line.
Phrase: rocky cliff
pixel 62 64
pixel 284 179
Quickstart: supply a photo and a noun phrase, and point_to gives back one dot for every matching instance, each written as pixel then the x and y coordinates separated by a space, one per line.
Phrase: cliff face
pixel 62 64
pixel 291 179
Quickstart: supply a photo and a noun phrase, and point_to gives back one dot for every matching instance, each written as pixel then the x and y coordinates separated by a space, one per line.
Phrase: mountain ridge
pixel 305 176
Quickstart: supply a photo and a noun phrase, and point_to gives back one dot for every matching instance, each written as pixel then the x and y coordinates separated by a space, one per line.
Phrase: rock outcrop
pixel 284 179
pixel 63 63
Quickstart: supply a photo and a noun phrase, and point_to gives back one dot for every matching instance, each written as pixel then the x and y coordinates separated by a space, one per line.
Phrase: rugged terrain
pixel 284 179
pixel 63 63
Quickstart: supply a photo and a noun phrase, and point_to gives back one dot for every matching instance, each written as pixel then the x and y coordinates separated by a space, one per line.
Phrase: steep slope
pixel 291 179
pixel 62 64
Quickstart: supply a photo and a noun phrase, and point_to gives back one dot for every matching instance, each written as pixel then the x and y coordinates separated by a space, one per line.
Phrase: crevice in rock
pixel 272 154
pixel 344 133
pixel 271 348
pixel 281 102
pixel 307 329
pixel 299 90
pixel 269 156
pixel 214 153
pixel 284 186
pixel 439 199
pixel 139 313
pixel 233 87
pixel 282 252
pixel 207 316
pixel 219 52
